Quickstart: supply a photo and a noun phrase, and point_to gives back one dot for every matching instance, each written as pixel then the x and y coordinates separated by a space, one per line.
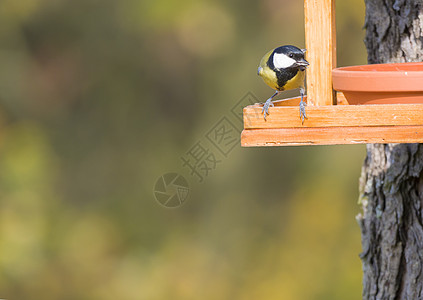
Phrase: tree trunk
pixel 391 183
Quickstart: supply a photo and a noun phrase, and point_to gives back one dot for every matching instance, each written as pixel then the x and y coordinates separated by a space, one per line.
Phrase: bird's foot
pixel 303 114
pixel 266 106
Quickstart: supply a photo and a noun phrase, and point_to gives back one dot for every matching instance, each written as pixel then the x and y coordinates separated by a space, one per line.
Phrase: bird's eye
pixel 291 55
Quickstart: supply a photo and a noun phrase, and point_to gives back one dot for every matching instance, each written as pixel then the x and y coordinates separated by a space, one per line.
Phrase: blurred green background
pixel 98 99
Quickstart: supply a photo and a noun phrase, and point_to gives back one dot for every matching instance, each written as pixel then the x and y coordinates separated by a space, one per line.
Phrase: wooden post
pixel 320 35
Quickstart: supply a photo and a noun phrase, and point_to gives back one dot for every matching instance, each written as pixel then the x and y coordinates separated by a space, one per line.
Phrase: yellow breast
pixel 295 82
pixel 269 77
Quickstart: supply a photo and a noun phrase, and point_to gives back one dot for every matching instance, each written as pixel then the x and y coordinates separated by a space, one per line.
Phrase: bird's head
pixel 289 57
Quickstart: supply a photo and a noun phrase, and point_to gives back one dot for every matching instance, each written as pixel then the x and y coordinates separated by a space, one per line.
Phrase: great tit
pixel 283 69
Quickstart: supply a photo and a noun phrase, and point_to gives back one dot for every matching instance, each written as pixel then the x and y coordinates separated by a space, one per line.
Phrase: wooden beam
pixel 332 124
pixel 331 136
pixel 295 101
pixel 335 116
pixel 320 36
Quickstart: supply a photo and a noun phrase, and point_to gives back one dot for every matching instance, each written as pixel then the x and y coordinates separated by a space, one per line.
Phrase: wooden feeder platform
pixel 330 119
pixel 332 124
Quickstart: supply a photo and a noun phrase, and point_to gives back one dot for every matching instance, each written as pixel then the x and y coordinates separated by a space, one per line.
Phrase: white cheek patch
pixel 281 61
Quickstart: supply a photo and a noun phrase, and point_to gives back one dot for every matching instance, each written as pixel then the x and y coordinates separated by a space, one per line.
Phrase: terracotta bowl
pixel 380 83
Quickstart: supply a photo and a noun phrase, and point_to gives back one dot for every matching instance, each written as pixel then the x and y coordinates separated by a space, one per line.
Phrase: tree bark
pixel 391 183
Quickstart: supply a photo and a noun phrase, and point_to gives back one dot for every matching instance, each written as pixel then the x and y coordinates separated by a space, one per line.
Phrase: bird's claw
pixel 266 106
pixel 303 114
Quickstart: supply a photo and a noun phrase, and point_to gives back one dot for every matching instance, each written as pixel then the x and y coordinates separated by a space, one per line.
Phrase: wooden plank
pixel 295 101
pixel 335 116
pixel 320 36
pixel 331 136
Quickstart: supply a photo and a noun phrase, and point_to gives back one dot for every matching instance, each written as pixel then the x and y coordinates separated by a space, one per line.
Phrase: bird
pixel 283 68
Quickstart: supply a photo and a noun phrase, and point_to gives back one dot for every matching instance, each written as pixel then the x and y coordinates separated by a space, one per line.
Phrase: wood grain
pixel 335 116
pixel 295 101
pixel 331 136
pixel 320 35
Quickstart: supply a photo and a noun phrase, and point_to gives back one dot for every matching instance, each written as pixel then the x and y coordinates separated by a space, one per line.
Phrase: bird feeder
pixel 331 118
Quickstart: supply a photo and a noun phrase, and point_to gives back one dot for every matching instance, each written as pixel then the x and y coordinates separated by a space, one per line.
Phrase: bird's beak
pixel 259 70
pixel 302 63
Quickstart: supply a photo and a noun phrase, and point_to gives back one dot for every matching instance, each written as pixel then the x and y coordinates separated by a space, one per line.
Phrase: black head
pixel 288 57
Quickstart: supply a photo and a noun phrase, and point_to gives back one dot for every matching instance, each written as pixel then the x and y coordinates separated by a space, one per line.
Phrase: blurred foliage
pixel 99 98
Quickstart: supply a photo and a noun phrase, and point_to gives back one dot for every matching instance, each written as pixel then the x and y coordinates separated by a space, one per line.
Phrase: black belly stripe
pixel 283 75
